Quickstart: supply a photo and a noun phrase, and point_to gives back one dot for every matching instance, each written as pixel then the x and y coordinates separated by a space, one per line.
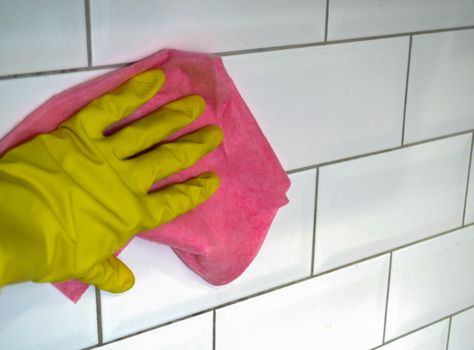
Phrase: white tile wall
pixel 440 87
pixel 191 334
pixel 462 336
pixel 364 18
pixel 470 196
pixel 319 104
pixel 19 97
pixel 165 289
pixel 42 35
pixel 37 316
pixel 316 104
pixel 343 310
pixel 373 204
pixel 430 280
pixel 125 30
pixel 434 337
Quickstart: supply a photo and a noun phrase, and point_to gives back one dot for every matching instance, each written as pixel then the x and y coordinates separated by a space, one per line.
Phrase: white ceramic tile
pixel 41 35
pixel 340 310
pixel 462 336
pixel 322 103
pixel 38 316
pixel 192 334
pixel 125 30
pixel 166 289
pixel 373 204
pixel 350 19
pixel 430 338
pixel 19 97
pixel 440 86
pixel 470 196
pixel 431 280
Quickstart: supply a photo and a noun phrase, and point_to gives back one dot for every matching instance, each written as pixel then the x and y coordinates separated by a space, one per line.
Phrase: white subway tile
pixel 166 289
pixel 462 336
pixel 373 204
pixel 124 30
pixel 42 35
pixel 363 18
pixel 19 97
pixel 430 338
pixel 340 310
pixel 38 316
pixel 430 280
pixel 192 334
pixel 470 196
pixel 441 85
pixel 319 104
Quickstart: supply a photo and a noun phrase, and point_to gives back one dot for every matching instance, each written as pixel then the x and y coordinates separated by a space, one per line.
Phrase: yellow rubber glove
pixel 71 198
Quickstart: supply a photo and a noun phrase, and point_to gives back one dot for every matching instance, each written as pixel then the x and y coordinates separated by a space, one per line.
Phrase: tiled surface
pixel 316 104
pixel 441 87
pixel 191 334
pixel 322 313
pixel 165 289
pixel 319 104
pixel 431 280
pixel 41 35
pixel 19 97
pixel 37 316
pixel 364 18
pixel 470 196
pixel 462 335
pixel 434 337
pixel 125 30
pixel 373 204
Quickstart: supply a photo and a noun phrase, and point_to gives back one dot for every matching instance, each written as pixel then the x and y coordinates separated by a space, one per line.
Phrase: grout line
pixel 247 51
pixel 423 327
pixel 289 284
pixel 313 247
pixel 87 6
pixel 387 296
pixel 387 150
pixel 214 329
pixel 467 183
pixel 98 303
pixel 406 89
pixel 63 71
pixel 449 332
pixel 326 22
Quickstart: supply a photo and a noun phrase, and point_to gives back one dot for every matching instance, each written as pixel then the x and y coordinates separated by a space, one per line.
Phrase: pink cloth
pixel 219 239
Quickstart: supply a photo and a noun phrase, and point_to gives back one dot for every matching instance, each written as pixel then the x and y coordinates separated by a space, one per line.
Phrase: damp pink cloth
pixel 219 239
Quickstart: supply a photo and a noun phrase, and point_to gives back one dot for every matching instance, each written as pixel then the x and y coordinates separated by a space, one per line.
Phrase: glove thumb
pixel 111 275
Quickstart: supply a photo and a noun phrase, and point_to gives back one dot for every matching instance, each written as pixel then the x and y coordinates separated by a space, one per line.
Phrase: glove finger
pixel 120 102
pixel 155 127
pixel 111 275
pixel 175 200
pixel 172 157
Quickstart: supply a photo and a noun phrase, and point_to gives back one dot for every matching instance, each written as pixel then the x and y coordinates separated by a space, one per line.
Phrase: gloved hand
pixel 71 198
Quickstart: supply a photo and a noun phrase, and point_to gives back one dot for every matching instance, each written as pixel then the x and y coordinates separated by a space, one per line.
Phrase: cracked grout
pixel 467 182
pixel 289 284
pixel 315 212
pixel 387 296
pixel 248 51
pixel 374 153
pixel 406 89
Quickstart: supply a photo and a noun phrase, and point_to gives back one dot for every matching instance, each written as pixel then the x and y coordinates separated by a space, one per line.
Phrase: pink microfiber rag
pixel 219 239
